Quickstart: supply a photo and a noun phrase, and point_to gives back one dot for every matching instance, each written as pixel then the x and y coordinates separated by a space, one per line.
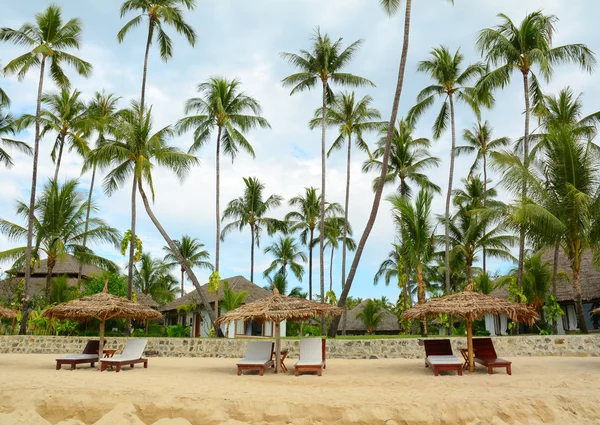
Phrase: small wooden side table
pixel 284 354
pixel 465 354
pixel 108 353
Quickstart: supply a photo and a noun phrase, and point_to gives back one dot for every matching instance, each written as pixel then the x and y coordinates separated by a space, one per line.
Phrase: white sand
pixel 197 391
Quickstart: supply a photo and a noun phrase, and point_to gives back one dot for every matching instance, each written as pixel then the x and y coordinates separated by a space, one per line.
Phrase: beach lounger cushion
pixel 131 355
pixel 89 355
pixel 439 356
pixel 485 355
pixel 259 355
pixel 312 357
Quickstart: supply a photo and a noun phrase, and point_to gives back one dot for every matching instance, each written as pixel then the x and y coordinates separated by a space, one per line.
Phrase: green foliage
pixel 214 282
pixel 352 302
pixel 187 308
pixel 39 325
pixel 138 246
pixel 152 277
pixel 552 309
pixel 231 299
pixel 60 291
pixel 177 331
pixel 460 330
pixel 371 315
pixel 117 284
pixel 212 333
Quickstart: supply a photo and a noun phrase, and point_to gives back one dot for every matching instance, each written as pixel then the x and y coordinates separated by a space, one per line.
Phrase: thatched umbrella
pixel 277 308
pixel 596 311
pixel 102 306
pixel 6 313
pixel 472 306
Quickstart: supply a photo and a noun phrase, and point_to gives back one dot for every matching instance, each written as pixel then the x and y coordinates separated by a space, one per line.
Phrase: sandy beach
pixel 207 391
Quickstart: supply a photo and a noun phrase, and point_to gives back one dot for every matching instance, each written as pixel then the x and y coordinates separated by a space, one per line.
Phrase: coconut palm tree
pixel 47 39
pixel 352 118
pixel 159 14
pixel 59 230
pixel 524 48
pixel 279 281
pixel 409 158
pixel 8 128
pixel 250 210
pixel 323 64
pixel 450 84
pixel 152 277
pixel 393 267
pixel 371 315
pixel 286 253
pixel 192 251
pixel 225 108
pixel 4 99
pixel 334 234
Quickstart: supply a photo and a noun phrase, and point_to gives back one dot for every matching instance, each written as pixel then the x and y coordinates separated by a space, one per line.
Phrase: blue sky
pixel 243 40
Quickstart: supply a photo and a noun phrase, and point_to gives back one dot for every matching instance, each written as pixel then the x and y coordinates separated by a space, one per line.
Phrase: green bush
pixel 177 331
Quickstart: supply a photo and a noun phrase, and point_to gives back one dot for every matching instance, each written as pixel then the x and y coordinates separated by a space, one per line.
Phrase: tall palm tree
pixel 409 158
pixel 393 267
pixel 134 154
pixel 59 230
pixel 103 113
pixel 336 232
pixel 8 128
pixel 523 48
pixel 224 107
pixel 280 282
pixel 192 251
pixel 352 118
pixel 152 278
pixel 47 39
pixel 417 234
pixel 286 253
pixel 371 315
pixel 158 13
pixel 251 210
pixel 323 64
pixel 450 84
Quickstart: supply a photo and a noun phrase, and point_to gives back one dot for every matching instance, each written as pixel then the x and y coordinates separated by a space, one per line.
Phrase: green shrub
pixel 177 331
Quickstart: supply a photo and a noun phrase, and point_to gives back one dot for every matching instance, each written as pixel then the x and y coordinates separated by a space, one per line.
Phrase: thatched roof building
pixel 355 326
pixel 68 266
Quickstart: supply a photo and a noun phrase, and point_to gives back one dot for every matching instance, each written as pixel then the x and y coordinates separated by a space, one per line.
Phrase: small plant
pixel 138 246
pixel 212 333
pixel 177 331
pixel 552 310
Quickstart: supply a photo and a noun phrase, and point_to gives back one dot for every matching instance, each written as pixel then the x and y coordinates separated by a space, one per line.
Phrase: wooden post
pixel 101 343
pixel 277 346
pixel 470 343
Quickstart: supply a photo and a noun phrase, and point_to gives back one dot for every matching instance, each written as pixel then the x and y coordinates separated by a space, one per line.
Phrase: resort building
pixel 188 311
pixel 590 294
pixel 355 326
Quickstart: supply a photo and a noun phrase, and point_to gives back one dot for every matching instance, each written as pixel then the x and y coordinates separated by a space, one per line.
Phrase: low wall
pixel 509 346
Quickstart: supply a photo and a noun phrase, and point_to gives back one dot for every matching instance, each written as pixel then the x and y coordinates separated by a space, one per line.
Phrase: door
pixel 197 323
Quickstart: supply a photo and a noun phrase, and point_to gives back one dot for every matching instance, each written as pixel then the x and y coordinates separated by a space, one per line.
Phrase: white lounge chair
pixel 259 355
pixel 132 354
pixel 312 356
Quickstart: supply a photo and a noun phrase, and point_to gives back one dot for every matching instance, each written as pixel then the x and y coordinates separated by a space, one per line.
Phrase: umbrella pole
pixel 470 344
pixel 101 343
pixel 277 346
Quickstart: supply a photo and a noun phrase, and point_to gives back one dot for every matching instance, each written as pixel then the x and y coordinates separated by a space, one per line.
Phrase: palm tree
pixel 103 113
pixel 352 118
pixel 451 82
pixel 408 160
pixel 4 99
pixel 47 38
pixel 484 283
pixel 59 230
pixel 323 64
pixel 279 281
pixel 232 300
pixel 510 48
pixel 250 209
pixel 7 127
pixel 158 13
pixel 224 107
pixel 336 232
pixel 192 251
pixel 371 315
pixel 417 235
pixel 393 266
pixel 152 278
pixel 286 253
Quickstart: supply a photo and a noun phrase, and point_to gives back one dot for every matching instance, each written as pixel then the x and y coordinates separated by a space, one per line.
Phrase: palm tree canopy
pixel 224 106
pixel 47 38
pixel 479 140
pixel 159 13
pixel 391 266
pixel 8 128
pixel 286 253
pixel 151 276
pixel 371 314
pixel 191 250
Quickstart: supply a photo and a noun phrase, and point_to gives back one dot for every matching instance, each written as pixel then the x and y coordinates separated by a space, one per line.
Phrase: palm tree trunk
pixel 331 270
pixel 31 216
pixel 578 301
pixel 252 253
pixel 148 43
pixel 406 270
pixel 87 222
pixel 554 276
pixel 182 262
pixel 520 266
pixel 384 169
pixel 470 273
pixel 484 205
pixel 449 197
pixel 346 207
pixel 51 264
pixel 131 250
pixel 322 215
pixel 58 159
pixel 182 281
pixel 310 261
pixel 218 200
pixel 421 296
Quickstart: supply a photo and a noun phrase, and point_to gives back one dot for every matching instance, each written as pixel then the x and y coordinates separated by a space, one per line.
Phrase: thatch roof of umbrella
pixel 596 311
pixel 277 308
pixel 7 313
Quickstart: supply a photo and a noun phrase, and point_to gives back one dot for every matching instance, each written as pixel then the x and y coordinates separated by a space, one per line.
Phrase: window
pixel 240 328
pixel 268 331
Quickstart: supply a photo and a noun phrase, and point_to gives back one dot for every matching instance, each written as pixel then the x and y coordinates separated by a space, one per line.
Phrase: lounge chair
pixel 259 356
pixel 89 355
pixel 485 355
pixel 131 355
pixel 439 356
pixel 312 356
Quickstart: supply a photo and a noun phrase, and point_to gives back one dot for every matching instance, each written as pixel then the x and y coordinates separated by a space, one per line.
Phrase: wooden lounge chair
pixel 312 356
pixel 485 355
pixel 89 355
pixel 259 356
pixel 439 356
pixel 131 355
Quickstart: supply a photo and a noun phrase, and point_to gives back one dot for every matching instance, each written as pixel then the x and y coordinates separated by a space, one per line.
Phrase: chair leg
pixel 102 366
pixel 239 371
pixel 436 372
pixel 73 367
pixel 262 371
pixel 131 365
pixel 508 370
pixel 118 367
pixel 146 364
pixel 320 372
pixel 460 371
pixel 490 370
pixel 92 364
pixel 58 366
pixel 296 372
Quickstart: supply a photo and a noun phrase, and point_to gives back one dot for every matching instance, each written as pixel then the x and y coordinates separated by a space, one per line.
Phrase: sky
pixel 243 40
